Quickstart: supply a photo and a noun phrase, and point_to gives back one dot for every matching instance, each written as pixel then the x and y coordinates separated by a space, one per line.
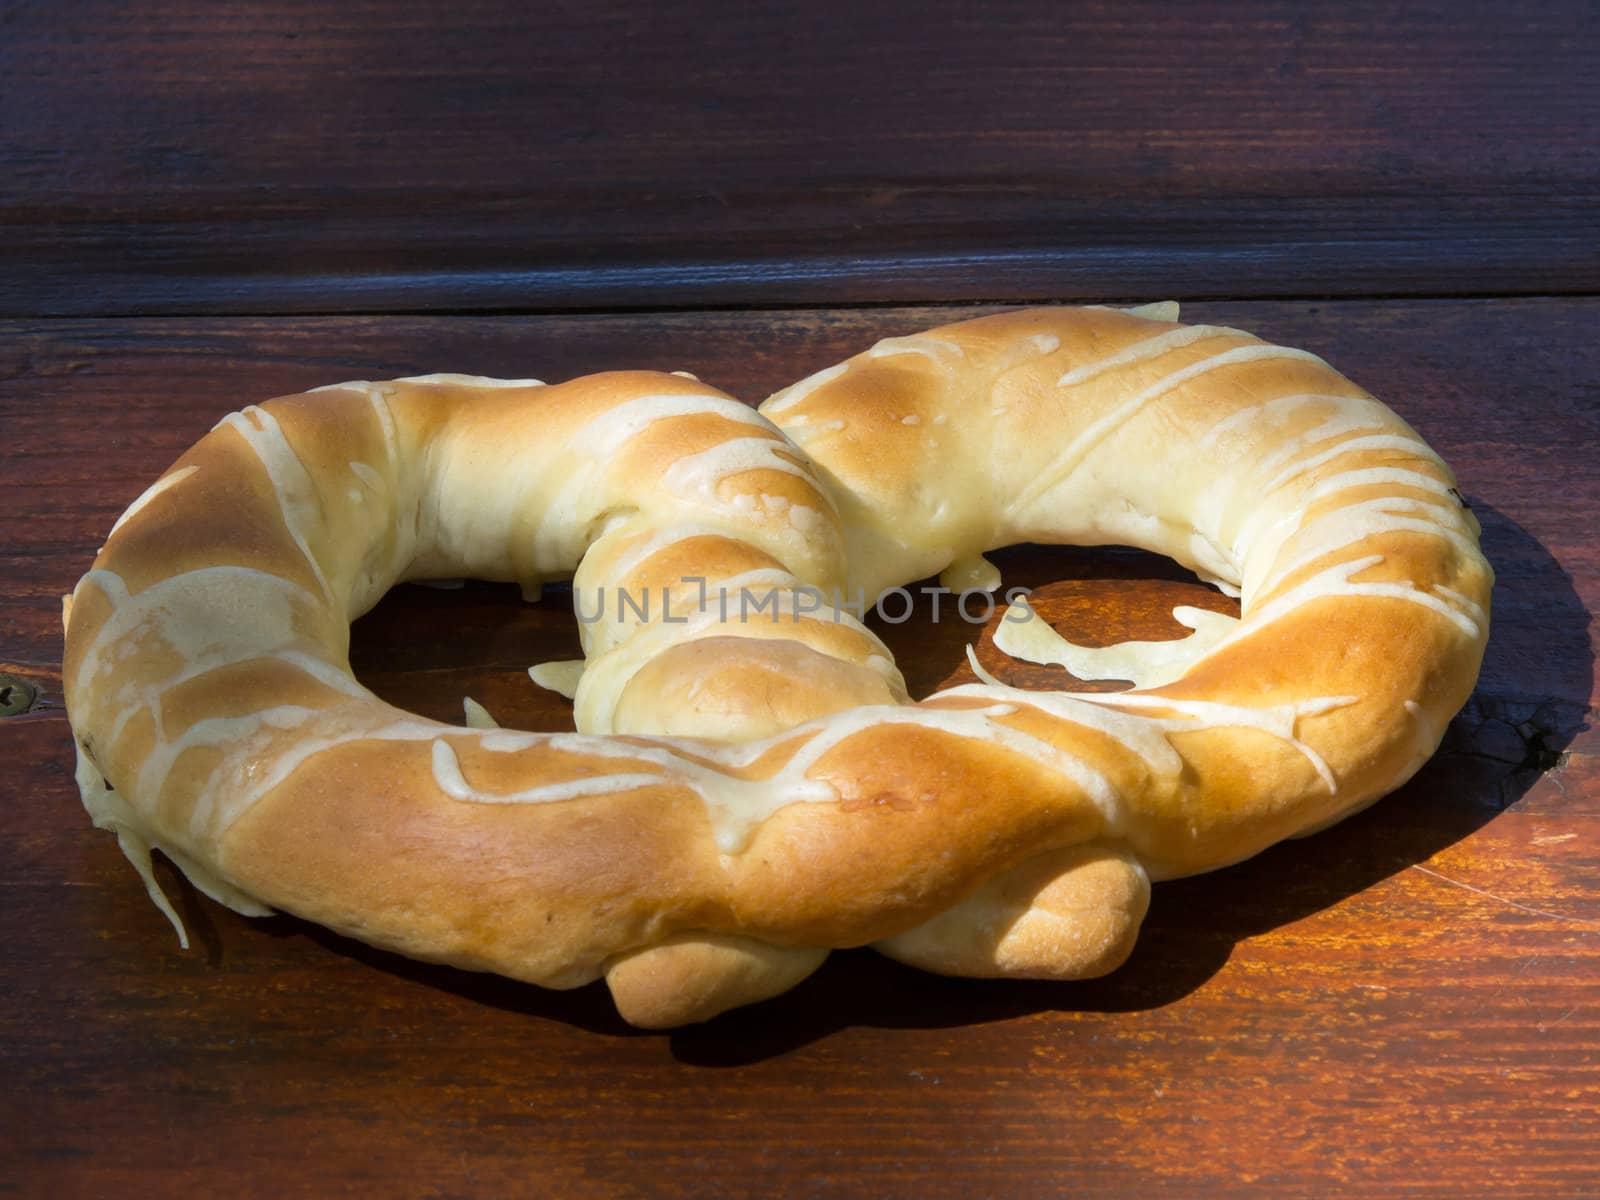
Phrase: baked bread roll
pixel 746 791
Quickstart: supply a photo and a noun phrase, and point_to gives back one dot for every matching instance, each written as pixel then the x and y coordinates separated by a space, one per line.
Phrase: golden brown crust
pixel 1070 914
pixel 692 978
pixel 747 793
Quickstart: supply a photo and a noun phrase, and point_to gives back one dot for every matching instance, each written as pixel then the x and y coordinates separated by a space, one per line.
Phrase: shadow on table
pixel 1531 701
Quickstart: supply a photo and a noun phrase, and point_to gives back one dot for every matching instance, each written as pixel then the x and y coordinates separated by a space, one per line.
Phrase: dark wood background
pixel 203 205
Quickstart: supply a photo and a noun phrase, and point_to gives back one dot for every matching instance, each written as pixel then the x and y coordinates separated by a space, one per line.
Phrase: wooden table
pixel 206 207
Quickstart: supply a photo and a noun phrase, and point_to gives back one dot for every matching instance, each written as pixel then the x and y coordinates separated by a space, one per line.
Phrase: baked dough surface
pixel 744 792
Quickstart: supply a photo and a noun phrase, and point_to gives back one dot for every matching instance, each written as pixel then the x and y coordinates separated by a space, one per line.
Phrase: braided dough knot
pixel 748 789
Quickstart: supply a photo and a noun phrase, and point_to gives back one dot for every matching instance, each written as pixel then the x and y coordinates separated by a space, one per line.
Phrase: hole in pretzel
pixel 424 649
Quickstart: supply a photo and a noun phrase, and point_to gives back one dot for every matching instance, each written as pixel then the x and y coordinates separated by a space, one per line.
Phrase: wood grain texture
pixel 1403 1005
pixel 385 155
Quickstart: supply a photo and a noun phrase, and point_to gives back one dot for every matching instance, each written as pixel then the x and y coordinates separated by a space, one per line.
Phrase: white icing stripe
pixel 978 669
pixel 619 424
pixel 734 805
pixel 1145 350
pixel 368 475
pixel 1335 581
pixel 336 678
pixel 244 737
pixel 189 614
pixel 973 724
pixel 476 716
pixel 234 787
pixel 929 347
pixel 171 479
pixel 1264 544
pixel 558 536
pixel 447 774
pixel 378 399
pixel 192 613
pixel 640 549
pixel 796 392
pixel 1228 587
pixel 1279 720
pixel 291 482
pixel 1156 310
pixel 1406 445
pixel 1429 735
pixel 109 583
pixel 109 810
pixel 1351 413
pixel 477 381
pixel 1414 595
pixel 699 474
pixel 149 702
pixel 1468 605
pixel 219 889
pixel 561 677
pixel 1139 736
pixel 1357 477
pixel 1069 459
pixel 1344 527
pixel 1276 720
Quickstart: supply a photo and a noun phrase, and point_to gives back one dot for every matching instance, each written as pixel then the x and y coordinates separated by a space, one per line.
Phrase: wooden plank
pixel 1403 1005
pixel 305 157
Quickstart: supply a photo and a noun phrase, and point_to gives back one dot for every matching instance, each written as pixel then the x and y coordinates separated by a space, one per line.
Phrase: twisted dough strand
pixel 744 794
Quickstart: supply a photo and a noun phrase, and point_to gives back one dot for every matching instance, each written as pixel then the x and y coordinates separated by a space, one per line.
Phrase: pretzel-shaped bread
pixel 744 794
